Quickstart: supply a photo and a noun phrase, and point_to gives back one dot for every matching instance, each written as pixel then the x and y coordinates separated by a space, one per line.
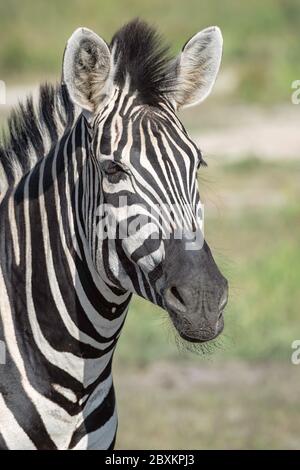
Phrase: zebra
pixel 108 136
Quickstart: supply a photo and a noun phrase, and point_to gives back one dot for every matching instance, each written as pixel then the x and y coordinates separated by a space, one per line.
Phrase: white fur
pixel 198 66
pixel 89 85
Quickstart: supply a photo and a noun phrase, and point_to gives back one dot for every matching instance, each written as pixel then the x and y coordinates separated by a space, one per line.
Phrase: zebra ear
pixel 197 67
pixel 86 68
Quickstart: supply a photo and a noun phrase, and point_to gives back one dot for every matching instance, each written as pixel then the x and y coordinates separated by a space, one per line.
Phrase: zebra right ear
pixel 197 67
pixel 86 69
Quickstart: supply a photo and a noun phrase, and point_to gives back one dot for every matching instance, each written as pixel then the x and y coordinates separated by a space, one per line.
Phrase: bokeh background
pixel 243 391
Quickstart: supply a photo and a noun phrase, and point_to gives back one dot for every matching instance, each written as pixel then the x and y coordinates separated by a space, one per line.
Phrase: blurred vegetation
pixel 228 405
pixel 262 50
pixel 255 240
pixel 261 38
pixel 252 223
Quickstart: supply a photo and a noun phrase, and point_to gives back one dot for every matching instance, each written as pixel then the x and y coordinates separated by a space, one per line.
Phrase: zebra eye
pixel 111 168
pixel 114 171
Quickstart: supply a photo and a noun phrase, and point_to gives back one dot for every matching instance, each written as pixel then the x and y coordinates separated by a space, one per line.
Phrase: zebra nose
pixel 184 299
pixel 174 300
pixel 224 298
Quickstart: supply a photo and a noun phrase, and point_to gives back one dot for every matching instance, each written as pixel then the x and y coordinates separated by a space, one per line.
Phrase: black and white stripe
pixel 64 287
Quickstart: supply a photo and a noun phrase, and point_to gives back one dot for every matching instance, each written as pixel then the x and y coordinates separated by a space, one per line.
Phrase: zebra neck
pixel 68 316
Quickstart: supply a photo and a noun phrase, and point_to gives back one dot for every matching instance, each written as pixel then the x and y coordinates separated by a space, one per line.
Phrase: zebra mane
pixel 33 128
pixel 140 53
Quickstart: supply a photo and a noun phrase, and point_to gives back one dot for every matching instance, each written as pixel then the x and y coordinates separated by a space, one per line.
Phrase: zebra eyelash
pixel 201 163
pixel 114 171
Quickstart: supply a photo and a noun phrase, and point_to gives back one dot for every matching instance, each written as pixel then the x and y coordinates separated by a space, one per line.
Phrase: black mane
pixel 32 128
pixel 140 53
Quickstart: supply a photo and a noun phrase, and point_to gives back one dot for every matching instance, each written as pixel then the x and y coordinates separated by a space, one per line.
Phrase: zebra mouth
pixel 195 335
pixel 193 339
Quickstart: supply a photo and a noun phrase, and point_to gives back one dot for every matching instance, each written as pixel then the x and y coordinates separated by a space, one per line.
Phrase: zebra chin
pixel 195 333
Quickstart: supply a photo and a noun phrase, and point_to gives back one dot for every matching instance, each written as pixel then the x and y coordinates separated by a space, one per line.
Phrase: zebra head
pixel 147 232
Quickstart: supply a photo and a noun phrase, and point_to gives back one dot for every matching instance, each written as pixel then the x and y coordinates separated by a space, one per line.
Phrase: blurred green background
pixel 261 38
pixel 242 391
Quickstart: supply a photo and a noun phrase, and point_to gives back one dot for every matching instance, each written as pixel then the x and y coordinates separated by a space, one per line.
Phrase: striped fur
pixel 64 287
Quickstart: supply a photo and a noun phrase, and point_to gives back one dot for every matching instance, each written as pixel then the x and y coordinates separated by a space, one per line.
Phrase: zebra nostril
pixel 176 293
pixel 223 301
pixel 174 300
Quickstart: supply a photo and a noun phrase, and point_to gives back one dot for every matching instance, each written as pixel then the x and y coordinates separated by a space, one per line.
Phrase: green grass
pixel 246 395
pixel 260 38
pixel 264 310
pixel 257 248
pixel 230 405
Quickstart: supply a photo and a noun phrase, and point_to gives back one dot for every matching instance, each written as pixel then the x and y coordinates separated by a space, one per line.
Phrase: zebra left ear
pixel 86 68
pixel 197 67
